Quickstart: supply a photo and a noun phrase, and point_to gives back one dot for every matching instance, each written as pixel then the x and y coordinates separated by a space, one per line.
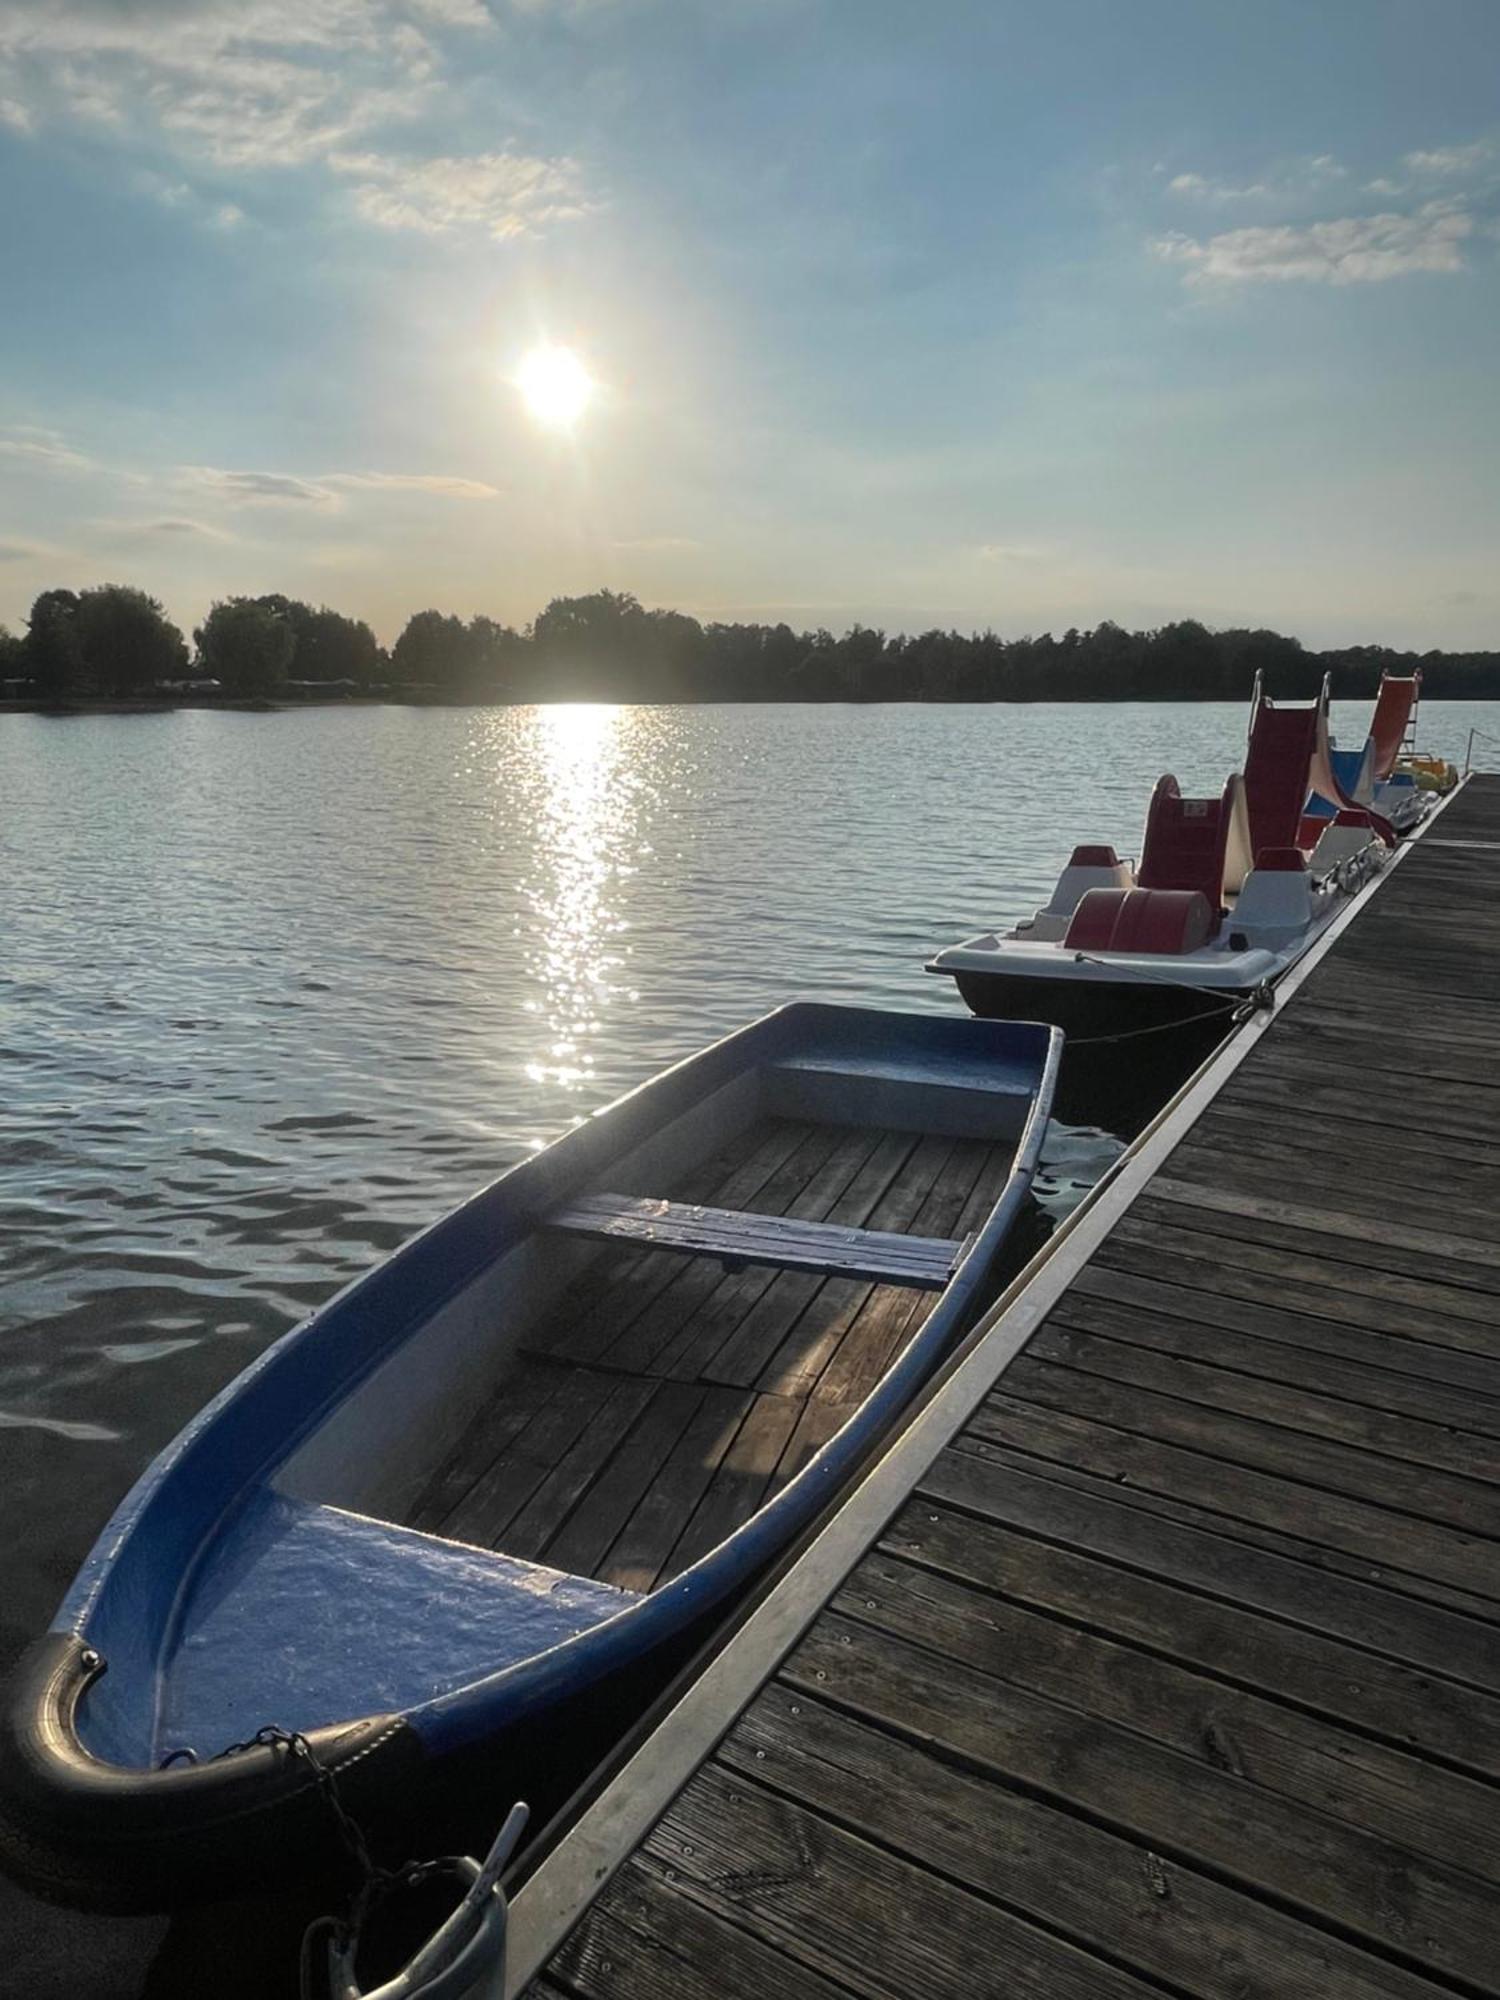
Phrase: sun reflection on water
pixel 585 825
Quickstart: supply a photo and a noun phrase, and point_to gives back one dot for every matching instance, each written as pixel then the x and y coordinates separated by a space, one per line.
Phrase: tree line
pixel 114 642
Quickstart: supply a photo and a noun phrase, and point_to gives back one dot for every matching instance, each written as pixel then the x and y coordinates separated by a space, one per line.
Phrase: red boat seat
pixel 1196 844
pixel 1160 921
pixel 1284 860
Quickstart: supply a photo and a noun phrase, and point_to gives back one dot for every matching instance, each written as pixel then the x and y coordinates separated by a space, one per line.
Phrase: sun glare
pixel 555 386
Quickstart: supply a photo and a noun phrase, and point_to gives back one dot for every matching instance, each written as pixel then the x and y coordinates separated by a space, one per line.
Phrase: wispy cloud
pixel 504 194
pixel 1350 250
pixel 17 117
pixel 1205 187
pixel 257 489
pixel 174 528
pixel 18 552
pixel 42 449
pixel 241 83
pixel 1451 162
pixel 1291 180
pixel 324 490
pixel 1009 552
pixel 447 485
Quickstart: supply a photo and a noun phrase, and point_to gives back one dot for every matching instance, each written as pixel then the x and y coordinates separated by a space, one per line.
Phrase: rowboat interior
pixel 661 1399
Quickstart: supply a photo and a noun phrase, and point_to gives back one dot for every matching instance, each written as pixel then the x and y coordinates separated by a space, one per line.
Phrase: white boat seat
pixel 737 1237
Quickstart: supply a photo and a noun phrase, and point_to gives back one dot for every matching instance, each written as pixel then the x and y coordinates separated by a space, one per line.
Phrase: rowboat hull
pixel 489 1490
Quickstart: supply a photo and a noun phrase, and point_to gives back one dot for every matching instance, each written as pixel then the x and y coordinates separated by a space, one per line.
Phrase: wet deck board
pixel 665 1398
pixel 1179 1671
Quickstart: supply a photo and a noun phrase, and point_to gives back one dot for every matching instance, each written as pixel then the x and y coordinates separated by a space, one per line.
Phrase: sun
pixel 555 386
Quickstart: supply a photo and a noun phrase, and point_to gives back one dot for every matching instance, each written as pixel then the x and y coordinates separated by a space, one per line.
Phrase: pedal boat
pixel 1227 896
pixel 1380 776
pixel 437 1527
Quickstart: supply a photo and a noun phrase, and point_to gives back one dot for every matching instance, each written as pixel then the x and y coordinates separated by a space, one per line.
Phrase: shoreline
pixel 267 705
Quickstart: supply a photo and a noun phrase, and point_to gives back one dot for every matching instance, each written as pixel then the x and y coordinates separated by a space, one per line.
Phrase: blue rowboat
pixel 520 1462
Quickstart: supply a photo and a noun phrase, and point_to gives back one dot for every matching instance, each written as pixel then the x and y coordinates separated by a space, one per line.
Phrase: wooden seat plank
pixel 743 1237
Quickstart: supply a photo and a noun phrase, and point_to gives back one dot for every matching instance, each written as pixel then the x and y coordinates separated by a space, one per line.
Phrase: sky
pixel 979 313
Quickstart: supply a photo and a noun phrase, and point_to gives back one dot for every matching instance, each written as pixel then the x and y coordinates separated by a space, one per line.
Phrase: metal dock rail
pixel 1166 1661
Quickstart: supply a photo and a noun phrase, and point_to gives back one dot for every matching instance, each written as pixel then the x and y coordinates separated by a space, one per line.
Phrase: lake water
pixel 276 990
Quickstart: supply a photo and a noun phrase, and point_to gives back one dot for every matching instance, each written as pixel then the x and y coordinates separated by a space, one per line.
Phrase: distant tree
pixel 54 657
pixel 592 647
pixel 246 644
pixel 331 647
pixel 126 641
pixel 13 662
pixel 497 658
pixel 434 650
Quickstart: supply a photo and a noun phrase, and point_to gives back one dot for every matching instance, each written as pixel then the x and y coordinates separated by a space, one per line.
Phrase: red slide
pixel 1395 705
pixel 1287 761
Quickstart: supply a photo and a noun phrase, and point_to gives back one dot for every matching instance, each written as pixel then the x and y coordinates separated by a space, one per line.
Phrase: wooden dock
pixel 1171 1666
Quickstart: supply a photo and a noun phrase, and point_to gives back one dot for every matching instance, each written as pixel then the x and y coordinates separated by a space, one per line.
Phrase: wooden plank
pixel 1440 1315
pixel 740 1480
pixel 1252 1112
pixel 818 1336
pixel 615 1289
pixel 1313 1761
pixel 683 1343
pixel 648 1941
pixel 1405 1138
pixel 635 1335
pixel 575 1470
pixel 816 1425
pixel 1361 1193
pixel 780 1345
pixel 646 1538
pixel 1389 1372
pixel 888 1318
pixel 497 1497
pixel 851 1909
pixel 1240 1560
pixel 1412 1055
pixel 1200 1371
pixel 1109 1893
pixel 1417 1557
pixel 1306 1097
pixel 581 1543
pixel 1345 1260
pixel 503 1417
pixel 1161 1604
pixel 1122 1400
pixel 1398 1246
pixel 738 1236
pixel 1408 1905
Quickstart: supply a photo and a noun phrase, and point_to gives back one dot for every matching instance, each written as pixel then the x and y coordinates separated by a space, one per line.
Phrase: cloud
pixel 15 552
pixel 41 448
pixel 445 484
pixel 504 194
pixel 1293 180
pixel 17 117
pixel 1351 250
pixel 1208 189
pixel 257 489
pixel 1450 162
pixel 1009 552
pixel 241 83
pixel 175 526
pixel 456 13
pixel 286 489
